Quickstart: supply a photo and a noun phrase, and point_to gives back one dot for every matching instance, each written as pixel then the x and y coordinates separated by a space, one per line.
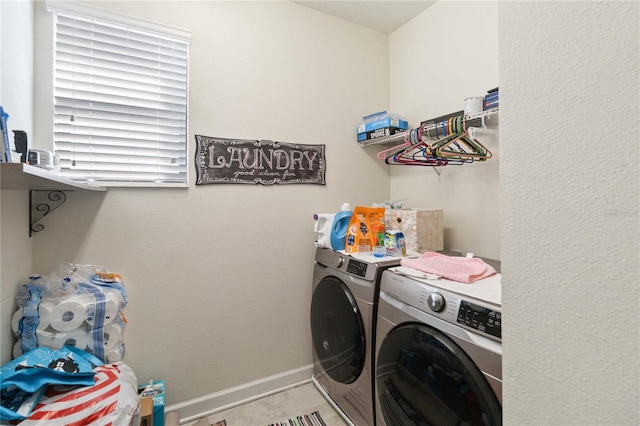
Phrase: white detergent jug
pixel 322 227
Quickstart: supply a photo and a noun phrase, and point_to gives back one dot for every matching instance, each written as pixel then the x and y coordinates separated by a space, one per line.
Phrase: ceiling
pixel 385 16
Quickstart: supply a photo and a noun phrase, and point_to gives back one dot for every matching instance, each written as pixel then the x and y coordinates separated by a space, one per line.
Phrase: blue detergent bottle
pixel 340 227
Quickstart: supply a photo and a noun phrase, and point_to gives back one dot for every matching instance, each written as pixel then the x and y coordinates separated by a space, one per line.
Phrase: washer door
pixel 423 377
pixel 337 330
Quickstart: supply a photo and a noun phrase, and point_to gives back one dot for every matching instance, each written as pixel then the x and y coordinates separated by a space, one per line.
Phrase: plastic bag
pixel 112 400
pixel 23 380
pixel 364 228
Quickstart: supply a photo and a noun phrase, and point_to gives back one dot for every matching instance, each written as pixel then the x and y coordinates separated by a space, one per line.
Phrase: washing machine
pixel 343 315
pixel 438 351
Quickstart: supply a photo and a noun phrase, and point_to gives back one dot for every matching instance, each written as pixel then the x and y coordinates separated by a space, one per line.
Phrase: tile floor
pixel 302 399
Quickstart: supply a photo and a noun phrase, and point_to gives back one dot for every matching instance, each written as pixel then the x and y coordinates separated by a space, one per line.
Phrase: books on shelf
pixel 6 147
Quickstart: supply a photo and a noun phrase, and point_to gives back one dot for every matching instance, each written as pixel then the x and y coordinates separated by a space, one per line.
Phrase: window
pixel 120 101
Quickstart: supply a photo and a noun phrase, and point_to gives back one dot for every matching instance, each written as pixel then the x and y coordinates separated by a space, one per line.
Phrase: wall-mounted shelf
pixel 24 176
pixel 488 116
pixel 37 180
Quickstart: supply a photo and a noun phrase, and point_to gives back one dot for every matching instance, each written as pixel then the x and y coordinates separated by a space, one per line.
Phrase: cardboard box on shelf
pixel 423 229
pixel 491 100
pixel 379 133
pixel 381 123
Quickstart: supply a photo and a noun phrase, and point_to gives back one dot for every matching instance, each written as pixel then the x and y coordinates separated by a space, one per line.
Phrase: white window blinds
pixel 120 103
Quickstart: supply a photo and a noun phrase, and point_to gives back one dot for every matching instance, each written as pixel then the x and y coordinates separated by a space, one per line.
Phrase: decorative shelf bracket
pixel 39 209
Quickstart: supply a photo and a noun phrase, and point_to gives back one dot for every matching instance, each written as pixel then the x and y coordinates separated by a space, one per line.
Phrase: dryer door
pixel 423 377
pixel 337 330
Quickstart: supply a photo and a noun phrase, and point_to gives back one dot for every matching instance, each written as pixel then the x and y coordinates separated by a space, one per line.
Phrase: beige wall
pixel 16 97
pixel 219 276
pixel 435 65
pixel 569 74
pixel 210 296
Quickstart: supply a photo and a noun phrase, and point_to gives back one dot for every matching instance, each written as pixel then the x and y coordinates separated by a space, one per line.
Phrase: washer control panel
pixel 479 318
pixel 446 305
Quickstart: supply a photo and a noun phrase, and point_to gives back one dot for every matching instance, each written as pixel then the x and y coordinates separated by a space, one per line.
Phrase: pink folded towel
pixel 461 269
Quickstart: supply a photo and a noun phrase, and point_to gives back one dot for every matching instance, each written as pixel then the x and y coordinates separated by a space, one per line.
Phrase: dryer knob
pixel 436 302
pixel 338 262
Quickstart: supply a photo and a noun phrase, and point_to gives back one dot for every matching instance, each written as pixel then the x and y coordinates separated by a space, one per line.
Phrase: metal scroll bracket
pixel 39 209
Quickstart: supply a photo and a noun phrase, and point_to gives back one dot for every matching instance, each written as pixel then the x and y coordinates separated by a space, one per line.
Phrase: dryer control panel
pixel 355 267
pixel 361 265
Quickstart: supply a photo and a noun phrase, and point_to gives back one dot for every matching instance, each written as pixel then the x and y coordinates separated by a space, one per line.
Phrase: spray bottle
pixel 322 227
pixel 340 227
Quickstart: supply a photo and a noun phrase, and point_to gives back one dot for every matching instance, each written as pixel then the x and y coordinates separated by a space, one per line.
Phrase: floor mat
pixel 312 419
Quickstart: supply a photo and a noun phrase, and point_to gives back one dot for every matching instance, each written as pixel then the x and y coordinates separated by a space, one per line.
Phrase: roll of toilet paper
pixel 77 338
pixel 17 349
pixel 114 355
pixel 112 336
pixel 70 313
pixel 45 310
pixel 15 322
pixel 111 307
pixel 115 295
pixel 44 338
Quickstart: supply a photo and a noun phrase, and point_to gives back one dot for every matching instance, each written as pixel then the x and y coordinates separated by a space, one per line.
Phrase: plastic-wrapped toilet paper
pixel 112 336
pixel 17 349
pixel 111 306
pixel 69 313
pixel 77 338
pixel 81 308
pixel 114 355
pixel 115 295
pixel 44 338
pixel 45 310
pixel 15 322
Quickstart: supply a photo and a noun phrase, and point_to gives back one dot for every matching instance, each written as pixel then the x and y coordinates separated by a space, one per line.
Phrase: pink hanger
pixel 382 155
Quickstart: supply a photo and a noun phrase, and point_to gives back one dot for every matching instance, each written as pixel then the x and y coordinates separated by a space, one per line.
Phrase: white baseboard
pixel 207 405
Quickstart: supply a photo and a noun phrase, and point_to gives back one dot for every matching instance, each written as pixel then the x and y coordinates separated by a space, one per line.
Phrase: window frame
pixel 183 37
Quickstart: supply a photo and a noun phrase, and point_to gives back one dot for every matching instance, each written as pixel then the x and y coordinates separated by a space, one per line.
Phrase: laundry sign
pixel 263 162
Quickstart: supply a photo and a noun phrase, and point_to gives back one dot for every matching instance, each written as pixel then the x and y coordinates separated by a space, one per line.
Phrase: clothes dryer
pixel 438 351
pixel 343 314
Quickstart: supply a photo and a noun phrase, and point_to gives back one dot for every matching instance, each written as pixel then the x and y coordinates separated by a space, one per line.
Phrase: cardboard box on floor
pixel 146 408
pixel 153 392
